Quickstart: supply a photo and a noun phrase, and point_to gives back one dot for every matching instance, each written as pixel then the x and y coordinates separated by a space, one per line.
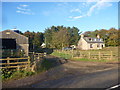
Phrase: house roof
pixel 93 40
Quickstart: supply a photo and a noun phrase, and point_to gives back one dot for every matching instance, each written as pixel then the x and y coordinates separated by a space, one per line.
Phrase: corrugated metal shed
pixel 20 39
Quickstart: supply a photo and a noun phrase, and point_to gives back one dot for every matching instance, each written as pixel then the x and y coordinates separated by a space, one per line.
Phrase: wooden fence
pixel 18 63
pixel 99 55
pixel 35 59
pixel 15 63
pixel 35 56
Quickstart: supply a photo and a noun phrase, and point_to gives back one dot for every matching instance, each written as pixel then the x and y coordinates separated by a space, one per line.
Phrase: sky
pixel 37 16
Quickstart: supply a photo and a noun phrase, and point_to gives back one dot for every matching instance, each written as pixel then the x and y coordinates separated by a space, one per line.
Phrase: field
pixel 105 55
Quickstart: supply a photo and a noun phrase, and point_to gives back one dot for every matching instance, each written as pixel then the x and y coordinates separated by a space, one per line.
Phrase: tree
pixel 60 39
pixel 113 37
pixel 35 40
pixel 74 35
pixel 110 36
pixel 55 34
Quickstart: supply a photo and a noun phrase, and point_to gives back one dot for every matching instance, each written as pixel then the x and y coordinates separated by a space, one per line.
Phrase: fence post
pixel 29 62
pixel 89 55
pixel 111 55
pixel 44 54
pixel 99 56
pixel 72 53
pixel 8 61
pixel 39 57
pixel 18 68
pixel 33 56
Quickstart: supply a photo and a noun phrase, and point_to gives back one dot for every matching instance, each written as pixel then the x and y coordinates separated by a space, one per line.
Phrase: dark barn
pixel 14 40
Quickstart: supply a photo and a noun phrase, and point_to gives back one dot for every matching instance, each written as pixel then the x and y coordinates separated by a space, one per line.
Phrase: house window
pixel 102 46
pixel 98 45
pixel 91 46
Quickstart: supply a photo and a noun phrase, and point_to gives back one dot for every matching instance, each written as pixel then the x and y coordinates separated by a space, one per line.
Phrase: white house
pixel 87 43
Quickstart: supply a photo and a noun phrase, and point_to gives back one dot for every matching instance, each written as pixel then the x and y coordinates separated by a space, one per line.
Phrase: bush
pixel 8 74
pixel 22 73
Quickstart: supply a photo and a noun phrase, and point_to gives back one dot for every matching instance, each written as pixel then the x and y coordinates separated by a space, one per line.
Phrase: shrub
pixel 12 73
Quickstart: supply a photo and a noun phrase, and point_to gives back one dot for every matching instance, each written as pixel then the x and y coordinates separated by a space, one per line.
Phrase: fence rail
pixel 35 59
pixel 15 63
pixel 29 62
pixel 100 55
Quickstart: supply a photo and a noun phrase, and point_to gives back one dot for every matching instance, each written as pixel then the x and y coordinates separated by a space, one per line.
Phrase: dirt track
pixel 60 71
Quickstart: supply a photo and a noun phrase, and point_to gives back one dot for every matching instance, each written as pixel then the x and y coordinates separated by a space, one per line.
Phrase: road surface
pixel 103 79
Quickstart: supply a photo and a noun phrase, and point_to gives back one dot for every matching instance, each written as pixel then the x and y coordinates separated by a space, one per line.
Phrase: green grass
pixel 63 55
pixel 91 60
pixel 69 56
pixel 13 74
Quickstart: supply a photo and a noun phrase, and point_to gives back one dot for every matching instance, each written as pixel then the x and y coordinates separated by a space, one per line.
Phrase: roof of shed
pixel 20 39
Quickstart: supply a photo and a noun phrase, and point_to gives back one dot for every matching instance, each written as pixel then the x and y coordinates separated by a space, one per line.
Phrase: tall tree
pixel 55 34
pixel 61 39
pixel 35 40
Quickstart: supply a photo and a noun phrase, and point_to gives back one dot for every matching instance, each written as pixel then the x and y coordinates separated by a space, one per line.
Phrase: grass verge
pixel 8 74
pixel 92 60
pixel 63 55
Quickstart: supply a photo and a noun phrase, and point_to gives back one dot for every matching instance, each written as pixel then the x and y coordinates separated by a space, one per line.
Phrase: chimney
pixel 98 36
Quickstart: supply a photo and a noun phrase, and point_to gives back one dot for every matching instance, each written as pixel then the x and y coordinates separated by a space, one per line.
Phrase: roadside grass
pixel 63 55
pixel 92 60
pixel 7 74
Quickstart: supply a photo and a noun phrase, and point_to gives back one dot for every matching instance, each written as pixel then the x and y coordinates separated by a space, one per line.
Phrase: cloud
pixel 76 17
pixel 76 10
pixel 100 4
pixel 23 12
pixel 23 9
pixel 24 6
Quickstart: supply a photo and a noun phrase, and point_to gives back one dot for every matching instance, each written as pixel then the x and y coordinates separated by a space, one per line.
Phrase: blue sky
pixel 36 16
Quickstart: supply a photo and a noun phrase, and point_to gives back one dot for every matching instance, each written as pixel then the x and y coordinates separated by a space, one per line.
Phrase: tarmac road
pixel 103 79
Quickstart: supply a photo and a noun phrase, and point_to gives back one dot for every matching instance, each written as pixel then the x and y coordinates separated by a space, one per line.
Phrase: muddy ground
pixel 62 69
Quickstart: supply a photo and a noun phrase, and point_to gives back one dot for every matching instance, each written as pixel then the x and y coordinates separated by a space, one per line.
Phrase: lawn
pixel 61 54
